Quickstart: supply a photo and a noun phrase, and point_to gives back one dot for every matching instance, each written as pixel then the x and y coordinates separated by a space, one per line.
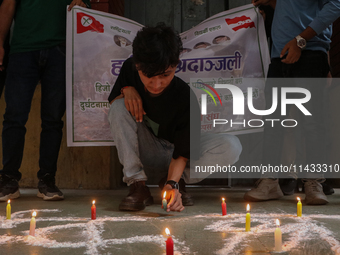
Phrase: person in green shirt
pixel 37 53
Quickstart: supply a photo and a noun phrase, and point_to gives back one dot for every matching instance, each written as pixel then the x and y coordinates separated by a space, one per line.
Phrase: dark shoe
pixel 138 197
pixel 288 186
pixel 327 189
pixel 47 190
pixel 187 199
pixel 9 188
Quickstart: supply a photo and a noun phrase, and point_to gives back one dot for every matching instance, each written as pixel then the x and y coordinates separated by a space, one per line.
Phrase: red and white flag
pixel 238 23
pixel 86 22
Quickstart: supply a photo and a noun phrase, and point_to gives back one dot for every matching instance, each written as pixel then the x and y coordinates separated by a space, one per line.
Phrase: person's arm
pixel 7 10
pixel 271 3
pixel 175 172
pixel 328 14
pixel 77 2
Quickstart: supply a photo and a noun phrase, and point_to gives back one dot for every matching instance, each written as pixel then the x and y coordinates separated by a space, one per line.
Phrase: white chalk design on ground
pixel 91 231
pixel 297 229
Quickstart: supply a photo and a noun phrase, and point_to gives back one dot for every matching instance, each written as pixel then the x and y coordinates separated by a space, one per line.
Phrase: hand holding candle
pixel 32 224
pixel 248 219
pixel 299 208
pixel 224 207
pixel 278 237
pixel 8 210
pixel 164 201
pixel 93 210
pixel 169 243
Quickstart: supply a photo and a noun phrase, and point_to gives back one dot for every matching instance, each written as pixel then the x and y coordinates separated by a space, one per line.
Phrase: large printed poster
pixel 228 48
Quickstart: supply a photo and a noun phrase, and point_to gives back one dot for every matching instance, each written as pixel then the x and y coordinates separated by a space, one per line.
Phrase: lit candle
pixel 169 243
pixel 278 237
pixel 32 224
pixel 224 207
pixel 8 210
pixel 164 201
pixel 299 208
pixel 248 218
pixel 93 210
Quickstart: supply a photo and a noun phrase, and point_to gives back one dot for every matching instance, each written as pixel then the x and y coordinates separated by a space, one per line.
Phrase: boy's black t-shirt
pixel 167 115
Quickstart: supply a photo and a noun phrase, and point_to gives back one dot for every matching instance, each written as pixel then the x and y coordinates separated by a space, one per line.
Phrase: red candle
pixel 93 211
pixel 169 243
pixel 224 207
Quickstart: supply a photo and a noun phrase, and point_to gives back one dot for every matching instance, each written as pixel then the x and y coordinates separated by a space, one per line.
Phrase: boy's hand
pixel 175 197
pixel 133 103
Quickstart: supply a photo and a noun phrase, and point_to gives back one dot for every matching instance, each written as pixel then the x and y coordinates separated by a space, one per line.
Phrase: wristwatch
pixel 173 184
pixel 301 42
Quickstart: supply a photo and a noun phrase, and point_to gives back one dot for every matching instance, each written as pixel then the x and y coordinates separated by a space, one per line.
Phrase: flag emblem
pixel 238 23
pixel 86 22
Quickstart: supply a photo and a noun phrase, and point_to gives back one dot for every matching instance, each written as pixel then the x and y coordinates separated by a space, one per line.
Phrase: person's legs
pixel 221 149
pixel 53 105
pixel 268 187
pixel 313 65
pixel 139 151
pixel 22 79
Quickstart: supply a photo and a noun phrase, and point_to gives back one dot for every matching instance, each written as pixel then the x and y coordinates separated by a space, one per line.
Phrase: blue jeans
pixel 312 64
pixel 141 153
pixel 23 74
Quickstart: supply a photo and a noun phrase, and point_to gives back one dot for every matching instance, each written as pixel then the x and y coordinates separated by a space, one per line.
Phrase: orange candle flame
pixel 167 231
pixel 9 201
pixel 164 194
pixel 248 208
pixel 298 198
pixel 34 214
pixel 93 202
pixel 223 199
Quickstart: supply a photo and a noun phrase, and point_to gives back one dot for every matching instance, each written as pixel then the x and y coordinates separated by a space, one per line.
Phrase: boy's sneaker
pixel 314 193
pixel 9 188
pixel 265 189
pixel 47 190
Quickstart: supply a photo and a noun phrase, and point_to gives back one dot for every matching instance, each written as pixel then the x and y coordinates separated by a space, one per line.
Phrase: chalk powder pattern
pixel 295 231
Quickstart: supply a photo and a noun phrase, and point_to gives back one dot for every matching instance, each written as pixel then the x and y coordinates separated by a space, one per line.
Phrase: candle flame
pixel 277 223
pixel 223 199
pixel 164 194
pixel 248 208
pixel 298 199
pixel 167 231
pixel 8 201
pixel 93 202
pixel 34 214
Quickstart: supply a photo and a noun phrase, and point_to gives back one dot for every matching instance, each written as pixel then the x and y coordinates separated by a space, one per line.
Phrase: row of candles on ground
pixel 277 233
pixel 169 241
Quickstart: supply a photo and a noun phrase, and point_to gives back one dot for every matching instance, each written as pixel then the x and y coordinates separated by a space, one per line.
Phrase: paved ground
pixel 65 227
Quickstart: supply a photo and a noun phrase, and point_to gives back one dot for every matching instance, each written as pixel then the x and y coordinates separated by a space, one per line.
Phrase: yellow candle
pixel 299 208
pixel 278 237
pixel 248 219
pixel 32 224
pixel 8 210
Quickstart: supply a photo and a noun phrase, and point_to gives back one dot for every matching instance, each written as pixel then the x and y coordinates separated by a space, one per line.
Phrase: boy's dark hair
pixel 155 49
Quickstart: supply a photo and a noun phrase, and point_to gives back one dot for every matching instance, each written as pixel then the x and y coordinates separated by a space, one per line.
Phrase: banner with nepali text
pixel 227 48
